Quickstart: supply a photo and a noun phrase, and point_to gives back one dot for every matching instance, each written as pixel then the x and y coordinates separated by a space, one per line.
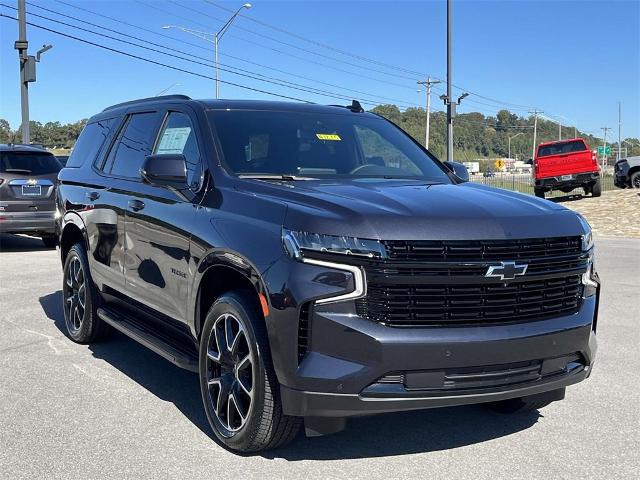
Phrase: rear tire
pixel 634 180
pixel 49 241
pixel 596 189
pixel 240 391
pixel 80 299
pixel 538 192
pixel 527 404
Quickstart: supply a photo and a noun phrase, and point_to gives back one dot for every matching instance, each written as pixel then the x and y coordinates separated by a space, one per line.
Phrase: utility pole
pixel 450 104
pixel 559 131
pixel 450 107
pixel 535 114
pixel 21 45
pixel 604 149
pixel 428 84
pixel 27 68
pixel 619 131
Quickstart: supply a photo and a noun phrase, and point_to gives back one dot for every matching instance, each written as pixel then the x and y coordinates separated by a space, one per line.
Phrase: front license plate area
pixel 31 190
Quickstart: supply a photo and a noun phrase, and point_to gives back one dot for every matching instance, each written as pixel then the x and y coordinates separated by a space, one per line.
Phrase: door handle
pixel 136 205
pixel 92 196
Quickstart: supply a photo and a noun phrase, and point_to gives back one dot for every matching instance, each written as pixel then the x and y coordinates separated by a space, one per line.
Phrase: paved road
pixel 116 410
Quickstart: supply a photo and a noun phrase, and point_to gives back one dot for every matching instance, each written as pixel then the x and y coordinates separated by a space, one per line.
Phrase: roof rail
pixel 147 100
pixel 354 107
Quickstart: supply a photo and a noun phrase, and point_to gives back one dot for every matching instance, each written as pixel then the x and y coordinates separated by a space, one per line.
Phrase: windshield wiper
pixel 17 170
pixel 274 177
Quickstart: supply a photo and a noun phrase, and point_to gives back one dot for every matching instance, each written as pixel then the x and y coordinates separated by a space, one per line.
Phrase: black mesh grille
pixel 408 305
pixel 476 250
pixel 430 283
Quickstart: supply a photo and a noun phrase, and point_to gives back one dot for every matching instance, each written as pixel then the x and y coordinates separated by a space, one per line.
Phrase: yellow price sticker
pixel 328 136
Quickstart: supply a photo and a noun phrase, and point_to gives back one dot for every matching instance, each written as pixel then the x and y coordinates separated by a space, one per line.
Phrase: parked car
pixel 27 184
pixel 314 263
pixel 489 173
pixel 566 165
pixel 627 172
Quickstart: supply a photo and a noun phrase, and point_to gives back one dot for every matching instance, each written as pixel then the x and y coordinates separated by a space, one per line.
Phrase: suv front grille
pixel 430 305
pixel 476 250
pixel 441 283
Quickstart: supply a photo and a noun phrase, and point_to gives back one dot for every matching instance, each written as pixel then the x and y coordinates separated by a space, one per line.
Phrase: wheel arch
pixel 73 231
pixel 221 272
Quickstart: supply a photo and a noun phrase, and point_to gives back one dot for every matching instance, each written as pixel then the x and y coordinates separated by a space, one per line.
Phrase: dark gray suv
pixel 27 184
pixel 314 263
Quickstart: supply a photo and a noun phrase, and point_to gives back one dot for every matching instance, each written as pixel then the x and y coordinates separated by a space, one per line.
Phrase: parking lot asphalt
pixel 117 410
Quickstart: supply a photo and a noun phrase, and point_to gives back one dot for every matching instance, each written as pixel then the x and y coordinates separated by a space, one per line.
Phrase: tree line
pixel 475 135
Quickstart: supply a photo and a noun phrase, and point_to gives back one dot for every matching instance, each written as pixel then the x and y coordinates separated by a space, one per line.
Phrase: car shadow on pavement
pixel 375 436
pixel 20 243
pixel 163 379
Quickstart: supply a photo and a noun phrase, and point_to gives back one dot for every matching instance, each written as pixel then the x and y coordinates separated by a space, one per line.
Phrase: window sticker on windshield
pixel 328 136
pixel 174 139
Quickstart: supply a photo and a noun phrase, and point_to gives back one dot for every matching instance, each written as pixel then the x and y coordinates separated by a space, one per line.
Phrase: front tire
pixel 240 392
pixel 80 299
pixel 538 192
pixel 634 180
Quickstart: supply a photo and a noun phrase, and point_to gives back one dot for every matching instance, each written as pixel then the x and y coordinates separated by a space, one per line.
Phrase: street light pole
pixel 22 45
pixel 450 107
pixel 216 40
pixel 27 68
pixel 218 37
pixel 512 136
pixel 428 84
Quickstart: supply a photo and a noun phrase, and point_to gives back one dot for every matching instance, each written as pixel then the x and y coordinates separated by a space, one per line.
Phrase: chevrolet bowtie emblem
pixel 32 181
pixel 506 270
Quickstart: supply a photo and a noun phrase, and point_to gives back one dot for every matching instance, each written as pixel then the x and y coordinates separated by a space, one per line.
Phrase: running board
pixel 149 339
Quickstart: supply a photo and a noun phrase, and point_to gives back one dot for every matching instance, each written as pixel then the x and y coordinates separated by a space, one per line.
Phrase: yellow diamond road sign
pixel 499 164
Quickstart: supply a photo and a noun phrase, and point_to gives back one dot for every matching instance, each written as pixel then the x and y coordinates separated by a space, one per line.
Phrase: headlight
pixel 297 243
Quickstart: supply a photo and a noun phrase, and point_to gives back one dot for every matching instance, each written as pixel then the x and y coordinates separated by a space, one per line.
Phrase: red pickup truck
pixel 565 165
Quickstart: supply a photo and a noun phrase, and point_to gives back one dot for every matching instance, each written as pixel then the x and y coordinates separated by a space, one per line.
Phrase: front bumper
pixel 27 222
pixel 347 369
pixel 576 180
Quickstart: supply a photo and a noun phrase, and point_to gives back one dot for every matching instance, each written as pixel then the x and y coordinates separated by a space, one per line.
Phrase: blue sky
pixel 574 59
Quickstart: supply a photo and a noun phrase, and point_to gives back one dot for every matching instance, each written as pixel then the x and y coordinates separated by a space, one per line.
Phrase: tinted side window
pixel 178 136
pixel 90 142
pixel 134 144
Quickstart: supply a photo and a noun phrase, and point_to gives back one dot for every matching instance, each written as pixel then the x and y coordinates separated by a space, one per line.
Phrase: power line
pixel 229 69
pixel 306 50
pixel 154 62
pixel 320 44
pixel 198 46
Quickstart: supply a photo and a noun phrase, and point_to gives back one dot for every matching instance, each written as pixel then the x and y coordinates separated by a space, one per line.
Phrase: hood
pixel 412 210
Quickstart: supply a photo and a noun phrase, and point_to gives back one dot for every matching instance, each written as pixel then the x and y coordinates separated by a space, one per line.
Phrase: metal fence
pixel 521 182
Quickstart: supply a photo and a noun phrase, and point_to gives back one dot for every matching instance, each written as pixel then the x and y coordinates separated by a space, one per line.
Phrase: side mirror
pixel 165 170
pixel 458 169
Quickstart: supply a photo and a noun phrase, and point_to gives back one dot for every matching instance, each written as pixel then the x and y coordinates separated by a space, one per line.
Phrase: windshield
pixel 319 145
pixel 561 148
pixel 29 163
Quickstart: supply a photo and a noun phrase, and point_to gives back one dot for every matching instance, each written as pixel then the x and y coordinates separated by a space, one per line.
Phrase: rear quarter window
pixel 90 142
pixel 562 148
